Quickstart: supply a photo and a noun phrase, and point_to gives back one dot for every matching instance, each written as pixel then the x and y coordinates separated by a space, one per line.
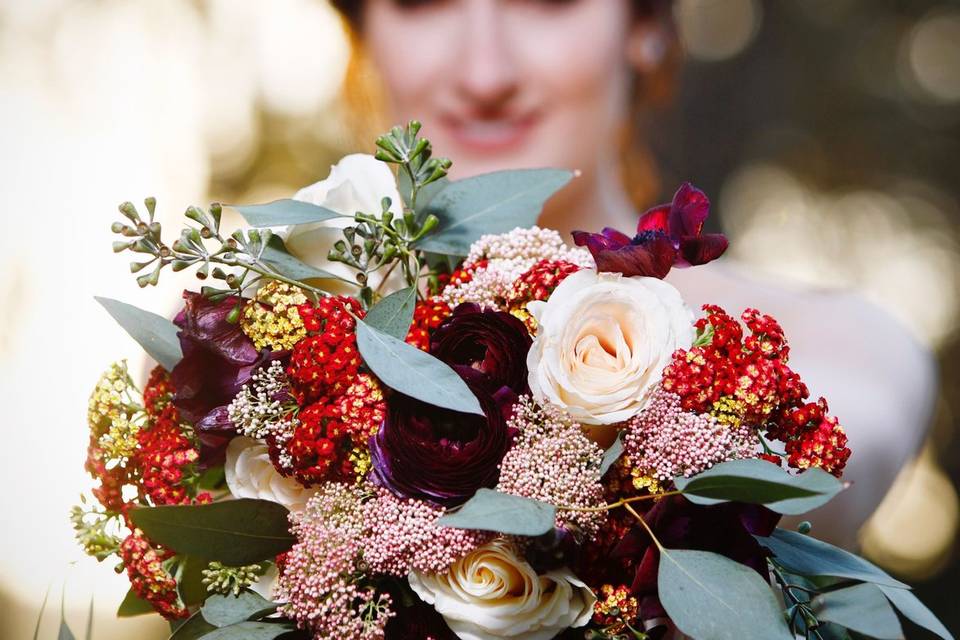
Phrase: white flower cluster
pixel 259 409
pixel 508 256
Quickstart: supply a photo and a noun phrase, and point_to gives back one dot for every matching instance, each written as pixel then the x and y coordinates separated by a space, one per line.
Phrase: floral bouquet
pixel 403 411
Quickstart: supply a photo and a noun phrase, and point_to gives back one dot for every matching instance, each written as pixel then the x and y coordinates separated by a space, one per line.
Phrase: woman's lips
pixel 489 135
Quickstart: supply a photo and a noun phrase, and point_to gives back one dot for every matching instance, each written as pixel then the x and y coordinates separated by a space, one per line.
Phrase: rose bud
pixel 492 342
pixel 444 456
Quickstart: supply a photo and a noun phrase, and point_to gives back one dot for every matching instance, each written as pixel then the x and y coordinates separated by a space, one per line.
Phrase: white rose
pixel 250 474
pixel 602 343
pixel 357 183
pixel 492 593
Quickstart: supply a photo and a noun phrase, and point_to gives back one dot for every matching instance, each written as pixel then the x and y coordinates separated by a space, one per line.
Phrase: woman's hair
pixel 652 88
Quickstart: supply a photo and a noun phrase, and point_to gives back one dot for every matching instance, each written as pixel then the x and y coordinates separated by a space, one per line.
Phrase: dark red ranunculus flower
pixel 218 359
pixel 492 342
pixel 423 451
pixel 669 235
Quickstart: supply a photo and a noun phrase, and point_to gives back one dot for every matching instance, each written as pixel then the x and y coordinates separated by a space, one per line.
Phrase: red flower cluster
pixel 112 480
pixel 148 577
pixel 537 283
pixel 741 379
pixel 427 316
pixel 320 446
pixel 165 455
pixel 326 361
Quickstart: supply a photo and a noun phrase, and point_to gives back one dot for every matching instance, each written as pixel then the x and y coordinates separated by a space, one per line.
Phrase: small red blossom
pixel 326 362
pixel 321 444
pixel 148 577
pixel 427 316
pixel 537 283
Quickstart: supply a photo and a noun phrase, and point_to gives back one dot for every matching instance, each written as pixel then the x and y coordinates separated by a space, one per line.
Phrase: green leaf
pixel 760 482
pixel 212 478
pixel 234 532
pixel 910 606
pixel 284 212
pixel 811 557
pixel 413 372
pixel 426 194
pixel 195 627
pixel 490 510
pixel 88 634
pixel 710 596
pixel 156 334
pixel 250 631
pixel 190 580
pixel 133 605
pixel 277 257
pixel 861 608
pixel 65 633
pixel 490 203
pixel 393 314
pixel 612 454
pixel 222 611
pixel 43 606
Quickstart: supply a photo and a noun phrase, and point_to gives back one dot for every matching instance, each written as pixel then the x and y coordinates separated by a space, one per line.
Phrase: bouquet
pixel 401 410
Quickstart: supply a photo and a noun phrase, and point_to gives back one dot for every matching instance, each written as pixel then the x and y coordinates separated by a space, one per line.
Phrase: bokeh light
pixel 932 49
pixel 717 29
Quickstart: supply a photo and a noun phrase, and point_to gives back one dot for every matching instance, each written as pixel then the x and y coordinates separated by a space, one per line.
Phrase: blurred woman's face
pixel 506 83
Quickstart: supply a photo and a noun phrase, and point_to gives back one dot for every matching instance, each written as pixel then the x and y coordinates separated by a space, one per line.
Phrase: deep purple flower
pixel 444 456
pixel 669 235
pixel 218 359
pixel 492 342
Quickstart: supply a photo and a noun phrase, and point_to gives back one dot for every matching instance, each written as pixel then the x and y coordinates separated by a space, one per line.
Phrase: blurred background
pixel 827 132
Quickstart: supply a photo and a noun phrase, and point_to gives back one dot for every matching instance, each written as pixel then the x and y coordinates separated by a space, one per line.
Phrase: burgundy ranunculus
pixel 218 359
pixel 669 235
pixel 444 456
pixel 492 342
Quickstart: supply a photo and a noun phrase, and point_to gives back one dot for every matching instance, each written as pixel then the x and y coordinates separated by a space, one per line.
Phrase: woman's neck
pixel 593 200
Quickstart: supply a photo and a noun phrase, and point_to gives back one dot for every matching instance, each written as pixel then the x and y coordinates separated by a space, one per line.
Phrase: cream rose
pixel 357 183
pixel 492 593
pixel 602 343
pixel 250 474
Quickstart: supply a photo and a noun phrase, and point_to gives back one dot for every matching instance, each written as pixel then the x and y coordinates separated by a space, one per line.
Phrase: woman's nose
pixel 487 71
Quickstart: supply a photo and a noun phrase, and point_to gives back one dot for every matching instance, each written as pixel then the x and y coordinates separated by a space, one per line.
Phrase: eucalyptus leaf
pixel 710 596
pixel 234 532
pixel 276 255
pixel 156 334
pixel 861 608
pixel 194 628
pixel 133 605
pixel 43 606
pixel 760 482
pixel 284 212
pixel 490 203
pixel 394 313
pixel 413 372
pixel 190 580
pixel 250 631
pixel 915 611
pixel 424 196
pixel 612 454
pixel 64 633
pixel 222 611
pixel 808 556
pixel 490 510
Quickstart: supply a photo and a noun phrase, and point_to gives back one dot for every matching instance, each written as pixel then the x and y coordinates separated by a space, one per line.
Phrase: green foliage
pixel 133 605
pixel 810 557
pixel 413 155
pixel 759 482
pixel 413 372
pixel 156 334
pixel 194 628
pixel 262 630
pixel 276 256
pixel 915 611
pixel 284 212
pixel 861 608
pixel 394 313
pixel 235 532
pixel 710 596
pixel 226 610
pixel 490 510
pixel 491 203
pixel 612 454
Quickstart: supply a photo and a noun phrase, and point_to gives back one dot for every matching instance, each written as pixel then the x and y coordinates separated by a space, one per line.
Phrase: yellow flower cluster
pixel 114 414
pixel 729 410
pixel 272 319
